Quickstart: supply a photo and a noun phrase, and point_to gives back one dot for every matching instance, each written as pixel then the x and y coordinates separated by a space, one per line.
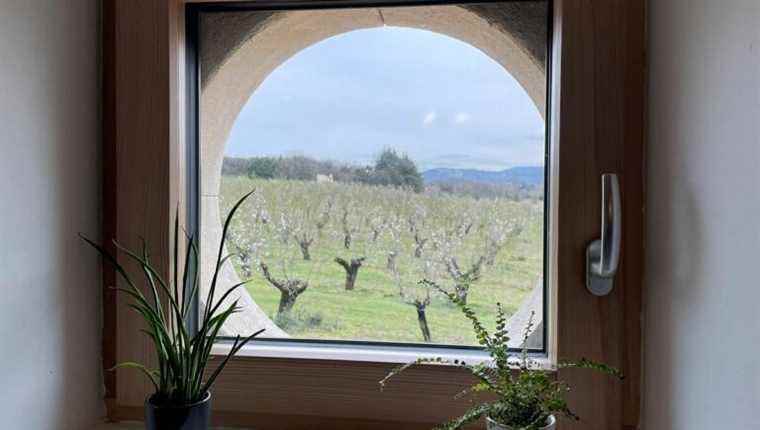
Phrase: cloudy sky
pixel 441 101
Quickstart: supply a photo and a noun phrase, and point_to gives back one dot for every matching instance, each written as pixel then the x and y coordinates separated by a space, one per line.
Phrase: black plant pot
pixel 196 416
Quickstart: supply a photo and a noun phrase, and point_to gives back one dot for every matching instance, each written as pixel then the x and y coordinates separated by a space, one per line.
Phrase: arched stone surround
pixel 240 49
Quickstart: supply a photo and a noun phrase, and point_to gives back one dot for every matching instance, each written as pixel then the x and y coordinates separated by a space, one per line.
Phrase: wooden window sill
pixel 135 425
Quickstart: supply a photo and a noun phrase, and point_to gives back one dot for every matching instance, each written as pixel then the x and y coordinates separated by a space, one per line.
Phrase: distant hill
pixel 522 175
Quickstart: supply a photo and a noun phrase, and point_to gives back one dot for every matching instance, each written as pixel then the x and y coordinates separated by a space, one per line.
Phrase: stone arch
pixel 240 49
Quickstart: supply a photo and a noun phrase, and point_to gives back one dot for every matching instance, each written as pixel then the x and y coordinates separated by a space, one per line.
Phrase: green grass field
pixel 376 309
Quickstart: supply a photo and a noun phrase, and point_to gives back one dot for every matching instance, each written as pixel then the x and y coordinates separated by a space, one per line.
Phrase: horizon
pixel 350 164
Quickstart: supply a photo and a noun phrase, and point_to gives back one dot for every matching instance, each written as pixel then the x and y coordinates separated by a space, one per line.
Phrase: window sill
pixel 136 425
pixel 348 352
pixel 361 353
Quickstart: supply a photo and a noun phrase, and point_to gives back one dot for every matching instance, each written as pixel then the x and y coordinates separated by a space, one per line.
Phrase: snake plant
pixel 183 355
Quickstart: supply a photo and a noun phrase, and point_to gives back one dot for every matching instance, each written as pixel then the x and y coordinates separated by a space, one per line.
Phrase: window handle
pixel 603 255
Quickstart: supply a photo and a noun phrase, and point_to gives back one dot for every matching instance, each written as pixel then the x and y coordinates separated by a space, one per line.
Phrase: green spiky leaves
pixel 182 356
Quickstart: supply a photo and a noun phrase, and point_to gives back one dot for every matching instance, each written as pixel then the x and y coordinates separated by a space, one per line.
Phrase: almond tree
pixel 417 223
pixel 303 229
pixel 289 289
pixel 298 217
pixel 412 292
pixel 254 232
pixel 247 235
pixel 282 226
pixel 351 266
pixel 469 236
pixel 351 222
pixel 377 222
pixel 348 225
pixel 463 278
pixel 324 215
pixel 460 254
pixel 396 229
pixel 242 244
pixel 421 304
pixel 497 235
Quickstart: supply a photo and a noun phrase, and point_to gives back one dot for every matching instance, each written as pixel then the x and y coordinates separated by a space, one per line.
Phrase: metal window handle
pixel 603 255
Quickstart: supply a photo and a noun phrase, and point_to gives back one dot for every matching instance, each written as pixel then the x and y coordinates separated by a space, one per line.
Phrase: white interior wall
pixel 702 322
pixel 702 300
pixel 49 191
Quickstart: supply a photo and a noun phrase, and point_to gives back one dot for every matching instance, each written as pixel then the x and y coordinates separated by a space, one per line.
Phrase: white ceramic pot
pixel 551 424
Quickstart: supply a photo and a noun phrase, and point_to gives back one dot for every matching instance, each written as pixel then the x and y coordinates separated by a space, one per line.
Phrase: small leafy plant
pixel 183 356
pixel 526 396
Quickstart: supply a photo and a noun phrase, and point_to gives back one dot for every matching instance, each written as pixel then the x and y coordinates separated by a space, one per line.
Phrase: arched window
pixel 387 148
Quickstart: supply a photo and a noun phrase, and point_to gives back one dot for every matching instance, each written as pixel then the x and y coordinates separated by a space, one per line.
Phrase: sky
pixel 435 98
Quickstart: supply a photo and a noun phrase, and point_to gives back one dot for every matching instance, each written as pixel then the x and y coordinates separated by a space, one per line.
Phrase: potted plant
pixel 526 397
pixel 182 396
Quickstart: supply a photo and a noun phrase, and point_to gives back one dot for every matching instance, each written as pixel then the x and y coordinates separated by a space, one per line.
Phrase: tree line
pixel 390 168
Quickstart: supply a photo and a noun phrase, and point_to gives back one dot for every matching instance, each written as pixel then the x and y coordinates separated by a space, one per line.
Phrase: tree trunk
pixel 351 278
pixel 492 251
pixel 422 319
pixel 347 240
pixel 463 280
pixel 419 244
pixel 304 245
pixel 461 292
pixel 321 223
pixel 352 270
pixel 346 230
pixel 289 289
pixel 391 263
pixel 287 301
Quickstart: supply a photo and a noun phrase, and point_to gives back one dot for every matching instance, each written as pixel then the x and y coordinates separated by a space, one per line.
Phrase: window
pixel 387 146
pixel 154 115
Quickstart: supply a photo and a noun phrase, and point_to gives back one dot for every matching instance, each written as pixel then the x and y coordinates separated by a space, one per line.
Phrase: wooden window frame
pixel 344 350
pixel 598 111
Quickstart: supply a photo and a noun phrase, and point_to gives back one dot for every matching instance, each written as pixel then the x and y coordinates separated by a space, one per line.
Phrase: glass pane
pixel 387 146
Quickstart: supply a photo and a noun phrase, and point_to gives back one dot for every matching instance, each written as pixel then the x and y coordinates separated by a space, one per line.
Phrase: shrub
pixel 299 320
